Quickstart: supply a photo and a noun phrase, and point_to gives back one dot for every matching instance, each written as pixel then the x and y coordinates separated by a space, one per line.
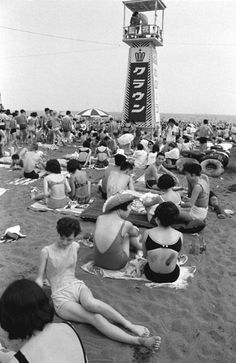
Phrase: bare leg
pixel 75 312
pixel 93 305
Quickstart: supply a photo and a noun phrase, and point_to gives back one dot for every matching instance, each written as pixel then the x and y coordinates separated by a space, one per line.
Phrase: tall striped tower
pixel 141 106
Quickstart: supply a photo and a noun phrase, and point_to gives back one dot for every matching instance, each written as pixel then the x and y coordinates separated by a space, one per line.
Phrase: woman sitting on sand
pixel 56 186
pixel 80 186
pixel 120 180
pixel 114 235
pixel 162 244
pixel 84 154
pixel 74 301
pixel 102 153
pixel 166 184
pixel 27 314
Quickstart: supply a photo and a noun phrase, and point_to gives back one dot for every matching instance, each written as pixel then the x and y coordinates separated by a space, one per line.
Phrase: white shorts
pixel 198 212
pixel 68 293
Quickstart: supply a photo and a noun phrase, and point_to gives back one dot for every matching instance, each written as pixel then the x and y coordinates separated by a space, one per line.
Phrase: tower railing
pixel 142 32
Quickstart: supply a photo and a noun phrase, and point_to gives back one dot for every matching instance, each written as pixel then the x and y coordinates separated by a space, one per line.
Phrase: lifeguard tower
pixel 141 107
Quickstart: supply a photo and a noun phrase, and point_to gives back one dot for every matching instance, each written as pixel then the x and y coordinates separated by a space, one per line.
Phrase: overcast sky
pixel 197 64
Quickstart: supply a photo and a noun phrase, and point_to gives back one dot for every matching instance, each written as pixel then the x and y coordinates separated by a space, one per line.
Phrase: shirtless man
pixel 120 180
pixel 30 160
pixel 154 171
pixel 203 133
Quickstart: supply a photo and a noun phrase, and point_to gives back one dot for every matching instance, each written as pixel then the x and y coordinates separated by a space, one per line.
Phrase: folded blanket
pixel 133 271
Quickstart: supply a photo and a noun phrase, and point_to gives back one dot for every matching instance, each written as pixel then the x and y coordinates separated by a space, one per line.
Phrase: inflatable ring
pixel 222 156
pixel 181 161
pixel 212 167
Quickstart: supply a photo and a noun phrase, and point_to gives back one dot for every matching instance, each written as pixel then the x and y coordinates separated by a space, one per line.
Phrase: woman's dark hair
pixel 15 157
pixel 140 147
pixel 192 168
pixel 24 308
pixel 33 114
pixel 53 166
pixel 166 212
pixel 155 148
pixel 165 181
pixel 67 225
pixel 103 143
pixel 126 166
pixel 73 165
pixel 119 159
pixel 86 143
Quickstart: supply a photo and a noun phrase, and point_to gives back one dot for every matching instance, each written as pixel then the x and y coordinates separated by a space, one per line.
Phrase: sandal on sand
pixel 182 259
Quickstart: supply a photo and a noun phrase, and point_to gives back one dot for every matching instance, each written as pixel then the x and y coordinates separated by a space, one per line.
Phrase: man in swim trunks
pixel 204 133
pixel 154 171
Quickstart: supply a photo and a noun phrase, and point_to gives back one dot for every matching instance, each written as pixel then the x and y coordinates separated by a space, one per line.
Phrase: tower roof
pixel 144 5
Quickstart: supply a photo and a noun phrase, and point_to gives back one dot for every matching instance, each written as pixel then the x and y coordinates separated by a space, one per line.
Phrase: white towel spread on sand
pixel 132 271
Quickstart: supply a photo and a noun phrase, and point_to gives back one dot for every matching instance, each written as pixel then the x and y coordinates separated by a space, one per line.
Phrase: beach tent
pixel 93 112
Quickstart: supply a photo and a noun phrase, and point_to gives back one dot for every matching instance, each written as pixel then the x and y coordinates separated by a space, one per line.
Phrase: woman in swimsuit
pixel 162 244
pixel 114 235
pixel 80 186
pixel 55 185
pixel 84 154
pixel 102 153
pixel 27 314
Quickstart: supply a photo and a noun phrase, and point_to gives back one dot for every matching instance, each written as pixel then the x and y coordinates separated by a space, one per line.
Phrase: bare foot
pixel 139 330
pixel 152 343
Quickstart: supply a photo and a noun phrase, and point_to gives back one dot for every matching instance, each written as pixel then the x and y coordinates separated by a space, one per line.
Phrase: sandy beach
pixel 196 324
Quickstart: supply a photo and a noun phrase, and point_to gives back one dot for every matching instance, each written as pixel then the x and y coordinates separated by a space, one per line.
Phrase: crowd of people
pixel 169 212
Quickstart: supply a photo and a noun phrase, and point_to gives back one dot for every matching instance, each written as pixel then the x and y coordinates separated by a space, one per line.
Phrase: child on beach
pixel 80 186
pixel 73 300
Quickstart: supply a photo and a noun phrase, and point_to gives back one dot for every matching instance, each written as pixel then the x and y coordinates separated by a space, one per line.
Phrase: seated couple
pixel 29 160
pixel 161 245
pixel 58 189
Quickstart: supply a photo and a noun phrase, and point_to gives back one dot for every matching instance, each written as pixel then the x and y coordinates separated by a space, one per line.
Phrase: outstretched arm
pixel 42 267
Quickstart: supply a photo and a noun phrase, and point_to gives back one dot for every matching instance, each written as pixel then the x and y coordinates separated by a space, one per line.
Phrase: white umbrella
pixel 93 112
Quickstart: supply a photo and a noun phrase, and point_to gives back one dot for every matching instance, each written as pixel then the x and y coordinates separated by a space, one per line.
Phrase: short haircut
pixel 68 112
pixel 155 148
pixel 22 111
pixel 67 225
pixel 86 143
pixel 160 154
pixel 166 212
pixel 15 157
pixel 192 168
pixel 46 109
pixel 33 114
pixel 126 166
pixel 73 165
pixel 119 159
pixel 165 181
pixel 24 309
pixel 205 121
pixel 140 147
pixel 53 166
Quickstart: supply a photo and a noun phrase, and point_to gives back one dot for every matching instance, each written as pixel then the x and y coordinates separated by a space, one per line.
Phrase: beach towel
pixel 133 271
pixel 2 191
pixel 72 208
pixel 93 211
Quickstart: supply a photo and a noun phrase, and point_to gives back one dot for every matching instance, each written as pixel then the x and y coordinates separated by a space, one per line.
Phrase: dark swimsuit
pixel 22 359
pixel 160 277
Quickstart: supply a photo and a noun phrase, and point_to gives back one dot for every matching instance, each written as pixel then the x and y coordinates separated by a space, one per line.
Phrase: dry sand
pixel 196 325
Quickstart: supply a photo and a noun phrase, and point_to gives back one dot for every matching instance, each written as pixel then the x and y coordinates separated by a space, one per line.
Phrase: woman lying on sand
pixel 26 313
pixel 114 235
pixel 162 244
pixel 74 301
